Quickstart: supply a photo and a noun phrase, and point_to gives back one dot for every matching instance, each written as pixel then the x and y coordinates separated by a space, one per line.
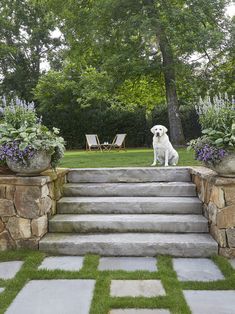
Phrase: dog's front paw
pixel 153 164
pixel 166 165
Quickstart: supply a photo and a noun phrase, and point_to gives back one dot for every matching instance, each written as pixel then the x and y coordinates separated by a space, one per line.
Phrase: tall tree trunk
pixel 176 130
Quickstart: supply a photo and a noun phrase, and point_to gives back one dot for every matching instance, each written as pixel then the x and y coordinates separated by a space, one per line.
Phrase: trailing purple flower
pixel 210 154
pixel 12 152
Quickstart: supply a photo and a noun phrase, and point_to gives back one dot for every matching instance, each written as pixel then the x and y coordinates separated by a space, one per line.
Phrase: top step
pixel 112 175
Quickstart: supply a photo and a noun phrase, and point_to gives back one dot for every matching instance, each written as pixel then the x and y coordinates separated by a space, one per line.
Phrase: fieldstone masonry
pixel 218 197
pixel 26 203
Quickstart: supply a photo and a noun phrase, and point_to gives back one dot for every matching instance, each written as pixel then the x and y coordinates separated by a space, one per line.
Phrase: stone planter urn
pixel 37 164
pixel 226 168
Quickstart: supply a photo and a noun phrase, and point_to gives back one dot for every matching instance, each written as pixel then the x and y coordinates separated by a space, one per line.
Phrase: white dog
pixel 162 148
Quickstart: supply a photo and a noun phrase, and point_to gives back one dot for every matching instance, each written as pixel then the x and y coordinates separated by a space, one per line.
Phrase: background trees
pixel 25 42
pixel 148 58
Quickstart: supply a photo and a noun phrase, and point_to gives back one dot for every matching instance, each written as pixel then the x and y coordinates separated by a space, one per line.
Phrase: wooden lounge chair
pixel 92 142
pixel 119 142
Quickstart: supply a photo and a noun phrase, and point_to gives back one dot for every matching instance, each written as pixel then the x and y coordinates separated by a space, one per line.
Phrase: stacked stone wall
pixel 26 203
pixel 218 197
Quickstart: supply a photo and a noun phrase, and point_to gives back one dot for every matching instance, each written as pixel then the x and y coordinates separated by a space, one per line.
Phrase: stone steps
pixel 130 189
pixel 111 175
pixel 129 205
pixel 128 223
pixel 130 244
pixel 129 212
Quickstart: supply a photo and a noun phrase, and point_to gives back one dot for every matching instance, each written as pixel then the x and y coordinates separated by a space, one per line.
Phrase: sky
pixel 231 9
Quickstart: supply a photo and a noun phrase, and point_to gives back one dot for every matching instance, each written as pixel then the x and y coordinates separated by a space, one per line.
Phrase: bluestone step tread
pixel 125 205
pixel 130 244
pixel 128 223
pixel 129 212
pixel 148 174
pixel 130 189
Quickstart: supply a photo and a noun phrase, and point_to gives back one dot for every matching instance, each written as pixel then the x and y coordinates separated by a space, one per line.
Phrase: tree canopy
pixel 155 38
pixel 25 41
pixel 118 54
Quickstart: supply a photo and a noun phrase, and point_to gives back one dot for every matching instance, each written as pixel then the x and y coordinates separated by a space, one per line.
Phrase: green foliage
pixel 220 139
pixel 21 125
pixel 217 119
pixel 217 114
pixel 145 92
pixel 25 41
pixel 112 59
pixel 18 115
pixel 80 104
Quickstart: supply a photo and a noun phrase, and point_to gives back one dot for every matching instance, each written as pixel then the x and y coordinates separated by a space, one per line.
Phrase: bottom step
pixel 130 244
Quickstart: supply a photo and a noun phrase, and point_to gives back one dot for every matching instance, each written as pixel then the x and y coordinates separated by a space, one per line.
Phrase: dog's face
pixel 158 130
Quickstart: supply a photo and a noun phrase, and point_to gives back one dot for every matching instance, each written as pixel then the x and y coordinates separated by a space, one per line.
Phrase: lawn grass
pixel 102 303
pixel 130 158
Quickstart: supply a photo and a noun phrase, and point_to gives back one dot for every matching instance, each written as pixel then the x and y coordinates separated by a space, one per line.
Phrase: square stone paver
pixel 216 302
pixel 54 296
pixel 136 288
pixel 196 269
pixel 1 290
pixel 139 311
pixel 72 263
pixel 9 269
pixel 232 262
pixel 128 263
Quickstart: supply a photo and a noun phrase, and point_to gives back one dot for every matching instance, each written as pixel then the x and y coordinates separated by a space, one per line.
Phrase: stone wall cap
pixel 15 180
pixel 202 171
pixel 53 175
pixel 132 168
pixel 224 181
pixel 45 177
pixel 211 176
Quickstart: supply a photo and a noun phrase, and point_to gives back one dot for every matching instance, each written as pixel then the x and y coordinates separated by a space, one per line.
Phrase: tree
pixel 25 42
pixel 132 38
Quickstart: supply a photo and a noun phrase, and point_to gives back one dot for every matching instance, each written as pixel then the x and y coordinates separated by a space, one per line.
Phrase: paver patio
pixel 9 269
pixel 73 263
pixel 67 295
pixel 128 263
pixel 136 288
pixel 54 296
pixel 216 302
pixel 232 262
pixel 196 269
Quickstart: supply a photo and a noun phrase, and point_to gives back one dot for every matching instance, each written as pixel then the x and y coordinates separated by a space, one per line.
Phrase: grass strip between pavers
pixel 102 302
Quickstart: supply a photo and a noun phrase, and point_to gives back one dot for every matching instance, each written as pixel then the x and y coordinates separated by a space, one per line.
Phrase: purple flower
pixel 12 152
pixel 210 154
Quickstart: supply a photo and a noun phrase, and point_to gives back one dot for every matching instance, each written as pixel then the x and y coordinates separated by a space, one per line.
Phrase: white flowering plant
pixel 217 113
pixel 217 119
pixel 22 134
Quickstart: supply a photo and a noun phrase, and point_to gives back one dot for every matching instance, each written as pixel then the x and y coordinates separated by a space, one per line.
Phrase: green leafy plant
pixel 217 118
pixel 217 113
pixel 22 134
pixel 220 139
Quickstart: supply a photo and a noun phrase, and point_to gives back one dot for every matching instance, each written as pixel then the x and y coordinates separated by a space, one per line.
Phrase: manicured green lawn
pixel 129 158
pixel 102 302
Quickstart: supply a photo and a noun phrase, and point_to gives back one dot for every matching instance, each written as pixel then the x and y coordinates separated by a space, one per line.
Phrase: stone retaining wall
pixel 218 197
pixel 26 203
